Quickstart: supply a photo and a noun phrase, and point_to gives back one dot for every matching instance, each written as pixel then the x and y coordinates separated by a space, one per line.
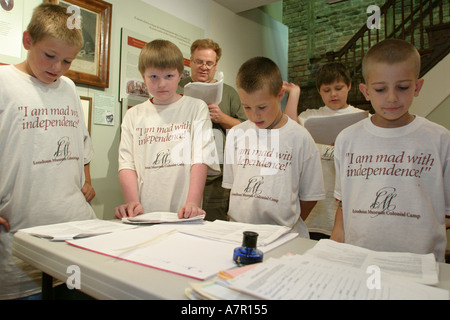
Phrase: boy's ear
pixel 27 41
pixel 419 84
pixel 281 93
pixel 364 90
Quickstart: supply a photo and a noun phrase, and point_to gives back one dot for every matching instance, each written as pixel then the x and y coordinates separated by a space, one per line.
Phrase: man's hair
pixel 259 73
pixel 332 72
pixel 51 20
pixel 201 44
pixel 391 51
pixel 161 54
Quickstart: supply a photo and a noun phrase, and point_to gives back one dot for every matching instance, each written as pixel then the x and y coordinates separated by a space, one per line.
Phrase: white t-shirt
pixel 44 146
pixel 321 218
pixel 161 143
pixel 269 172
pixel 395 186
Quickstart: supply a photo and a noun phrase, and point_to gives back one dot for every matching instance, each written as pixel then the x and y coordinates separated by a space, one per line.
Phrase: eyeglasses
pixel 207 64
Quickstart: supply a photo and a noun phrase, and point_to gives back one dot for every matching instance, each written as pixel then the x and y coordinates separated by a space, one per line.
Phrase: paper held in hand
pixel 324 130
pixel 160 217
pixel 211 93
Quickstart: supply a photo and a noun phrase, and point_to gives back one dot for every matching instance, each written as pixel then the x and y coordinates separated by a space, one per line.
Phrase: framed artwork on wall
pixel 92 63
pixel 86 106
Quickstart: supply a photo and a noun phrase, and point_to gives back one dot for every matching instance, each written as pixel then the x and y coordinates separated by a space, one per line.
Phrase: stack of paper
pixel 160 217
pixel 211 93
pixel 172 248
pixel 75 229
pixel 330 271
pixel 233 231
pixel 307 278
pixel 325 129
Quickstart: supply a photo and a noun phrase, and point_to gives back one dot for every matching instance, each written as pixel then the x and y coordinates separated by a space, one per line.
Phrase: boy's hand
pixel 190 210
pixel 291 88
pixel 5 224
pixel 128 210
pixel 88 191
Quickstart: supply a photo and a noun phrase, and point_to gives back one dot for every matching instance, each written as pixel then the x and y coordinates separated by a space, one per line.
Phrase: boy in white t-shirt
pixel 393 169
pixel 45 146
pixel 333 83
pixel 166 143
pixel 272 164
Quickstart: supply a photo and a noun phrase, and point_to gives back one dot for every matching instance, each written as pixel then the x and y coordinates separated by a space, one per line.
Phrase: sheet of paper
pixel 421 268
pixel 324 129
pixel 233 231
pixel 160 217
pixel 76 229
pixel 166 247
pixel 211 93
pixel 306 278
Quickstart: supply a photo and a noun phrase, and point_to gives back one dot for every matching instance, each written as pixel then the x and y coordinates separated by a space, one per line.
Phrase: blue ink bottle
pixel 248 253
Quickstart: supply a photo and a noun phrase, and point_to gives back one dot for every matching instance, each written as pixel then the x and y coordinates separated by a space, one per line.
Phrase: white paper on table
pixel 211 93
pixel 76 229
pixel 325 129
pixel 160 217
pixel 421 268
pixel 163 247
pixel 300 277
pixel 233 231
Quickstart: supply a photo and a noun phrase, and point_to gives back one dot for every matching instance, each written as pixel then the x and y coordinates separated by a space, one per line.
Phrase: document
pixel 211 93
pixel 325 129
pixel 75 229
pixel 233 231
pixel 421 268
pixel 161 217
pixel 169 247
pixel 304 277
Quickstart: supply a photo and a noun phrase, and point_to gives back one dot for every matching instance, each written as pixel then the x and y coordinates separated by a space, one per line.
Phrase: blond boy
pixel 393 169
pixel 272 165
pixel 44 177
pixel 166 142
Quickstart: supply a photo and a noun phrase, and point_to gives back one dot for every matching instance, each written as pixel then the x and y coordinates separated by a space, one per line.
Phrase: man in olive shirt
pixel 205 55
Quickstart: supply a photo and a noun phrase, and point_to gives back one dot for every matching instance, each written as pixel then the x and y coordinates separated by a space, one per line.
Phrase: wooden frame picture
pixel 86 106
pixel 92 63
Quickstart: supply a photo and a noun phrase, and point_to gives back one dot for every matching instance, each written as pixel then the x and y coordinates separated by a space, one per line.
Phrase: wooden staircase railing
pixel 424 23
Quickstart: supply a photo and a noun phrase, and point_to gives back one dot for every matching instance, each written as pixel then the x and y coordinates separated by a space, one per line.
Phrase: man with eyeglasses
pixel 205 54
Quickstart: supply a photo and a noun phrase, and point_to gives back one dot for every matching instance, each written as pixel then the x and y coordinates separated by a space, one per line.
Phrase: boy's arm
pixel 129 185
pixel 292 103
pixel 338 230
pixel 88 189
pixel 306 208
pixel 193 203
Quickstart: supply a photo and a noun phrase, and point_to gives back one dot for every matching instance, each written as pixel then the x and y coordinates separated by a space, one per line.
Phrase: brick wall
pixel 316 27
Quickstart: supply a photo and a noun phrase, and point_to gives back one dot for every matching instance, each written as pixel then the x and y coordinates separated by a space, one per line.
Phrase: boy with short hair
pixel 333 83
pixel 393 169
pixel 45 146
pixel 272 165
pixel 163 153
pixel 205 56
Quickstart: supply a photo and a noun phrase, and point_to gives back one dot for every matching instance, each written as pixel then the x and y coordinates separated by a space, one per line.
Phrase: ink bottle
pixel 248 253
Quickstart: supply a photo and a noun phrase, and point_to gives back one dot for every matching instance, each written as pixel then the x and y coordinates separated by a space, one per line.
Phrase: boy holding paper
pixel 333 83
pixel 167 143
